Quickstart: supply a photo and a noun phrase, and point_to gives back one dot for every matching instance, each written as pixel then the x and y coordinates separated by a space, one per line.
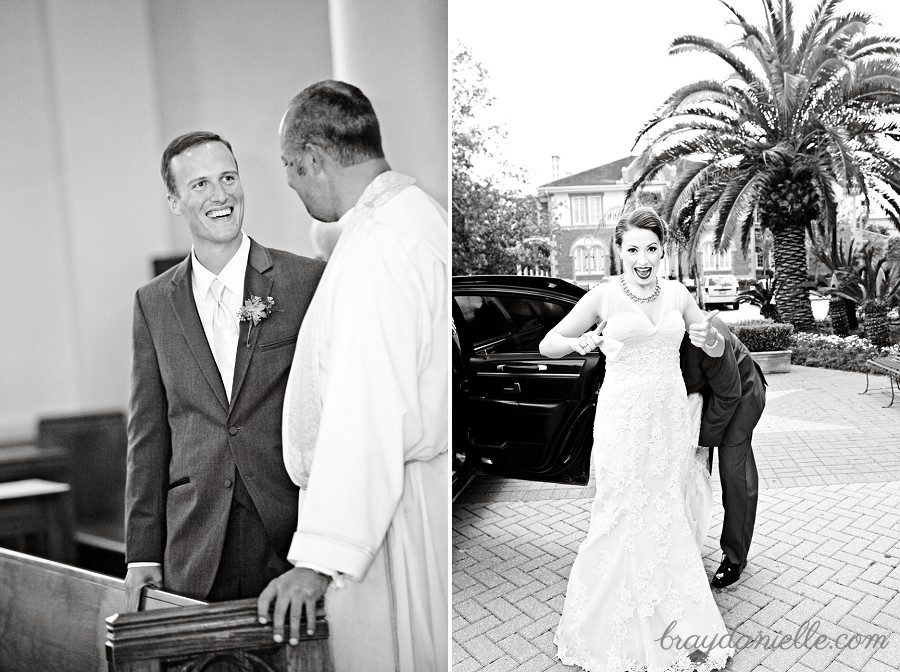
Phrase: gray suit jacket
pixel 733 388
pixel 185 440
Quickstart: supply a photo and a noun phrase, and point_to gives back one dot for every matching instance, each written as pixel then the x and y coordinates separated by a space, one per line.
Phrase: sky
pixel 579 78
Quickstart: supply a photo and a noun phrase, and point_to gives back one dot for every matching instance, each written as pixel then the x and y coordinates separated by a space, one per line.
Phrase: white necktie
pixel 225 335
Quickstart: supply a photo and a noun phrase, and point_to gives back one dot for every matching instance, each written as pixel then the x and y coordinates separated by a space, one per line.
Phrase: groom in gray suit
pixel 734 396
pixel 210 509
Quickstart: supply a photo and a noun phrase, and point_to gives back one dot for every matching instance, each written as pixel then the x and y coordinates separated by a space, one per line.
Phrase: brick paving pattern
pixel 826 548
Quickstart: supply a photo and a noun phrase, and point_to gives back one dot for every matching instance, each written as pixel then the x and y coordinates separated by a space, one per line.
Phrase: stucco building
pixel 587 206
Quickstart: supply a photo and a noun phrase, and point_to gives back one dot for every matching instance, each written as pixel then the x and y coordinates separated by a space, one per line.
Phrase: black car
pixel 516 413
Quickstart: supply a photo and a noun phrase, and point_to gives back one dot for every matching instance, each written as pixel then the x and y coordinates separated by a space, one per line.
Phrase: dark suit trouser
pixel 249 561
pixel 740 490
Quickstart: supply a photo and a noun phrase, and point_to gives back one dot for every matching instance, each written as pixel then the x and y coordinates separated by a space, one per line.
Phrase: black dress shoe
pixel 726 574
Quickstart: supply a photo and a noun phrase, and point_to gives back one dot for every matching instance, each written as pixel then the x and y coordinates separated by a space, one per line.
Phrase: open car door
pixel 526 416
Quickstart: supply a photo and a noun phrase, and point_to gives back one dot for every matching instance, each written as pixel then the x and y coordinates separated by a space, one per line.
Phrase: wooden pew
pixel 26 460
pixel 201 638
pixel 57 618
pixel 36 517
pixel 53 616
pixel 98 444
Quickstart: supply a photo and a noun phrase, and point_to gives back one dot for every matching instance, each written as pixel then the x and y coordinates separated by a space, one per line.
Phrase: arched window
pixel 712 260
pixel 588 256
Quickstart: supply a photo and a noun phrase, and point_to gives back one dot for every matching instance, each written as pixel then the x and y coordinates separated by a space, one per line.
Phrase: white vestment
pixel 365 432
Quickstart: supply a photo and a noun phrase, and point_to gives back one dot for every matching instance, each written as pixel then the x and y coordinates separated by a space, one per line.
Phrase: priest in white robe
pixel 365 418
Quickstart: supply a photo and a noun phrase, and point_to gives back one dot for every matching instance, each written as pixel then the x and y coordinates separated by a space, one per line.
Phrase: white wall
pixel 231 66
pixel 80 218
pixel 406 79
pixel 90 94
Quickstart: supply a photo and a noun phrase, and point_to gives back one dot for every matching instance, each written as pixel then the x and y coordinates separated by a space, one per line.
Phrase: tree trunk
pixel 837 311
pixel 698 282
pixel 852 320
pixel 790 266
pixel 877 329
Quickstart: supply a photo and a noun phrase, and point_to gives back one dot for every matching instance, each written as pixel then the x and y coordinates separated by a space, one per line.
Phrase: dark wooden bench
pixel 23 460
pixel 97 444
pixel 888 366
pixel 53 616
pixel 36 517
pixel 226 635
pixel 58 618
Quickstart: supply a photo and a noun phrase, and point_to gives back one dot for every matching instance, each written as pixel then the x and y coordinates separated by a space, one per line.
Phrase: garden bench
pixel 888 366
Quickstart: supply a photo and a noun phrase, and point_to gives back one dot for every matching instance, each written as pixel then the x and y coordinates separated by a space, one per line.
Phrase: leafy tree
pixel 495 228
pixel 804 117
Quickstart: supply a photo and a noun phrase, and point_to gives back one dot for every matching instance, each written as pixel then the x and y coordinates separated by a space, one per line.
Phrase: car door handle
pixel 521 367
pixel 515 389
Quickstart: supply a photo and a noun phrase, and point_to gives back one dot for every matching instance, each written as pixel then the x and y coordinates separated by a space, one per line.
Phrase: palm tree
pixel 762 295
pixel 841 310
pixel 803 119
pixel 873 285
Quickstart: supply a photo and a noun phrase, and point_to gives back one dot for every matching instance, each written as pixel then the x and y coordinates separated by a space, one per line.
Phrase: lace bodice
pixel 645 347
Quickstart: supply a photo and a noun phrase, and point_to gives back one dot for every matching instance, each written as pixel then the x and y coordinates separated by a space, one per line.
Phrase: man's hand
pixel 699 333
pixel 135 580
pixel 589 340
pixel 293 591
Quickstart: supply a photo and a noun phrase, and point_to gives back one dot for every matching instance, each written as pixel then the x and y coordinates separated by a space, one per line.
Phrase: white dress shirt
pixel 232 276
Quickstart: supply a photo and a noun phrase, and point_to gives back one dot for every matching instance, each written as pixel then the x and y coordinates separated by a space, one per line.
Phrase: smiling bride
pixel 638 585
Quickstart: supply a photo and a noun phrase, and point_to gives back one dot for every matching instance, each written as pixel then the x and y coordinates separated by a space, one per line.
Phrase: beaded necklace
pixel 638 299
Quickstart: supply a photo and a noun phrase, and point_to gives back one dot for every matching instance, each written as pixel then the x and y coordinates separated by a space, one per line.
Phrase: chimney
pixel 555 161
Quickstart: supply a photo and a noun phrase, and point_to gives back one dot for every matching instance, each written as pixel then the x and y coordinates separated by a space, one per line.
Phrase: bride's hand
pixel 589 340
pixel 700 332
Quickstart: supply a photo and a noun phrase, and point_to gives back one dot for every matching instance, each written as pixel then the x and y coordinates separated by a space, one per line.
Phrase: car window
pixel 720 281
pixel 484 320
pixel 506 323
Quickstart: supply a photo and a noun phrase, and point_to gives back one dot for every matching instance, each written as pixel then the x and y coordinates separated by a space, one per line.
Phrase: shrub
pixel 763 335
pixel 824 326
pixel 834 352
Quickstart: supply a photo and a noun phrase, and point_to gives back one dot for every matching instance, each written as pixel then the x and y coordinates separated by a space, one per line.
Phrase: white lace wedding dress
pixel 639 571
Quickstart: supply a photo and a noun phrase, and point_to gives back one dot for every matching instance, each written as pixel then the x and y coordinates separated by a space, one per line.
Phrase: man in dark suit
pixel 210 509
pixel 734 396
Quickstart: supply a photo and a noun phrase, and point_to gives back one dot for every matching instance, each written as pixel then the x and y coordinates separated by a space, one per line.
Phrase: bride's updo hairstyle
pixel 640 218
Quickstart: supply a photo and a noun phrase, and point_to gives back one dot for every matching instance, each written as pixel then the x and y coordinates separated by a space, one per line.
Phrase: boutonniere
pixel 254 310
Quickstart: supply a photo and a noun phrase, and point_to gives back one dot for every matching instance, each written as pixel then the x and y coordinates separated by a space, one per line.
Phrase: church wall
pixel 93 91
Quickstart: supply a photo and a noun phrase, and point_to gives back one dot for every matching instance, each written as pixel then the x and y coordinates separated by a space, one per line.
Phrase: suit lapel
pixel 257 282
pixel 182 300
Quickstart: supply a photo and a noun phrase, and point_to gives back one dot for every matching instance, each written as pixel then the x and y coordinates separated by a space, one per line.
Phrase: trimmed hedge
pixel 763 335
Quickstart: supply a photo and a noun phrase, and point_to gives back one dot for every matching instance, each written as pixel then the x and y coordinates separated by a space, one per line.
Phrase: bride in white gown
pixel 638 598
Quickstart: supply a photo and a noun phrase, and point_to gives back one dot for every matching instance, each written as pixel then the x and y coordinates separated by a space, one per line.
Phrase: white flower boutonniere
pixel 254 310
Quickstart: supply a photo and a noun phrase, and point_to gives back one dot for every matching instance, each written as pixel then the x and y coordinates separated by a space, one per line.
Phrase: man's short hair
pixel 181 144
pixel 336 116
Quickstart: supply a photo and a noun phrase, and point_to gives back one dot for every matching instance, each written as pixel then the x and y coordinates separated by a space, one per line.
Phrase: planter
pixel 774 361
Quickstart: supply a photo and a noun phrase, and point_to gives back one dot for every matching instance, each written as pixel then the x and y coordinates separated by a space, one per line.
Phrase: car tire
pixel 736 305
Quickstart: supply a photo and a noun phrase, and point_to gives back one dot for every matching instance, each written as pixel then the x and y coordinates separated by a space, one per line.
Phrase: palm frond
pixel 786 41
pixel 865 46
pixel 688 182
pixel 812 35
pixel 736 208
pixel 695 43
pixel 842 29
pixel 828 205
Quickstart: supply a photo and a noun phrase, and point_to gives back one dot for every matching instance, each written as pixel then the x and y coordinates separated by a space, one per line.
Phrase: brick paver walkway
pixel 826 548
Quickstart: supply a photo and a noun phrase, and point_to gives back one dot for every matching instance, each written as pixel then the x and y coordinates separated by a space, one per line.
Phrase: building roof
pixel 609 173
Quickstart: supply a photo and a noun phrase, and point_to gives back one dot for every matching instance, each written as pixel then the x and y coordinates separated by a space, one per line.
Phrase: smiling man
pixel 210 509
